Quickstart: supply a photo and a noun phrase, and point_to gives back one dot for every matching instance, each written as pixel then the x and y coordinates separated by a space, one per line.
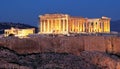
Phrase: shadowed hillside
pixel 86 60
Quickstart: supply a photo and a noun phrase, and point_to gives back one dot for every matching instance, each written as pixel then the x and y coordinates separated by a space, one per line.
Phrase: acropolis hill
pixel 66 24
pixel 41 51
pixel 63 44
pixel 66 52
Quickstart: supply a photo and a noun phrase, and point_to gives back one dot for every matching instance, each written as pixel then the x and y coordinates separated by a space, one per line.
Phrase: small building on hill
pixel 18 32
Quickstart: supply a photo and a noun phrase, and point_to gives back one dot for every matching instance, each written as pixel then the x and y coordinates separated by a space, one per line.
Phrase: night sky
pixel 27 11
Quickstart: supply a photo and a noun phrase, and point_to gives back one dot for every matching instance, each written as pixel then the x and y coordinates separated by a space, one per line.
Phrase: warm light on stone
pixel 64 24
pixel 19 32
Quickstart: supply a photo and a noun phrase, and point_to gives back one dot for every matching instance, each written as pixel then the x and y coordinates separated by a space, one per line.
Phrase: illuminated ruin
pixel 19 32
pixel 65 24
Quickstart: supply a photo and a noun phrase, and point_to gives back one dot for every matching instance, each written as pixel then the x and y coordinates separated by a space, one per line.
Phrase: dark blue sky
pixel 27 11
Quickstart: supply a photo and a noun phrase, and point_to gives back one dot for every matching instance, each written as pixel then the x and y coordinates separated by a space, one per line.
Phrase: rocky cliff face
pixel 86 60
pixel 74 45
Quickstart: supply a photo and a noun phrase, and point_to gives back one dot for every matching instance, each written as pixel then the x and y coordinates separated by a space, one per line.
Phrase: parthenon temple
pixel 65 24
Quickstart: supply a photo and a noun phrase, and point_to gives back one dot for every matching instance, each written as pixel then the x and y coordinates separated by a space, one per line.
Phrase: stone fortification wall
pixel 74 45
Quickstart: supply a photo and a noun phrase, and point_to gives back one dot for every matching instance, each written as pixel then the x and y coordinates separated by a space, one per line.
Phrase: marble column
pixel 67 25
pixel 59 25
pixel 48 26
pixel 63 25
pixel 44 29
pixel 41 26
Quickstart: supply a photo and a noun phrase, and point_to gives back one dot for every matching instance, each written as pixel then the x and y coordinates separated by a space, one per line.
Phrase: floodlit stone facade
pixel 101 25
pixel 18 32
pixel 65 24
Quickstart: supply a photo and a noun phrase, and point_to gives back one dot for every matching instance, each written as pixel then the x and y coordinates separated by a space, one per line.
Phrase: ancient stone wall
pixel 74 45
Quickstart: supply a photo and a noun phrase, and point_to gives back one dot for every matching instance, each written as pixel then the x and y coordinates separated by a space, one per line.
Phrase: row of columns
pixel 94 27
pixel 61 26
pixel 76 26
pixel 103 26
pixel 54 25
pixel 106 26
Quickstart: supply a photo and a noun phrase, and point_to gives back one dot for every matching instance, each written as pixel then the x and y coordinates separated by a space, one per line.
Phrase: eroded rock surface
pixel 86 60
pixel 74 45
